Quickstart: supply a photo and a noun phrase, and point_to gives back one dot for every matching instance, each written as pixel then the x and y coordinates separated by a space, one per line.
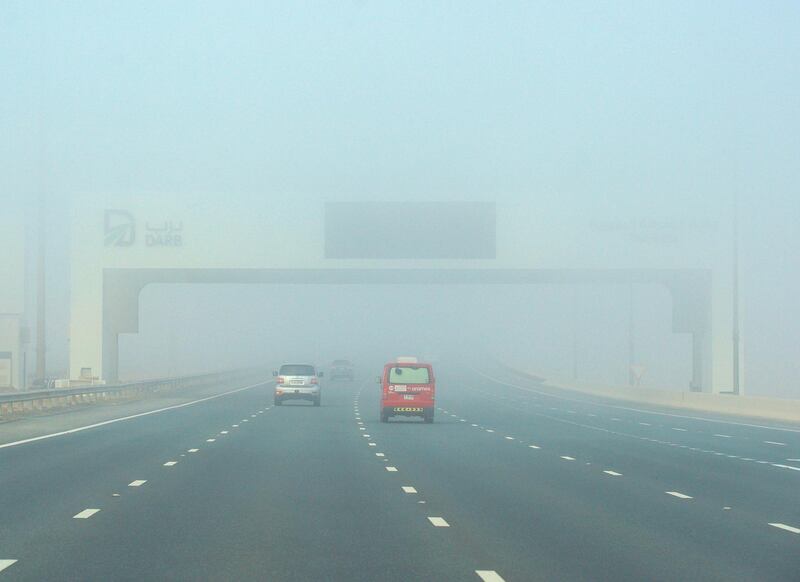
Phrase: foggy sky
pixel 641 109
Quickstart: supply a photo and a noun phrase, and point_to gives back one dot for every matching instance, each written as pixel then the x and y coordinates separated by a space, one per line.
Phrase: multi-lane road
pixel 511 482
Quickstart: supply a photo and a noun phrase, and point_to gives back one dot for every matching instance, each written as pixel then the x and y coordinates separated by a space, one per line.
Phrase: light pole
pixel 41 328
pixel 736 293
pixel 632 380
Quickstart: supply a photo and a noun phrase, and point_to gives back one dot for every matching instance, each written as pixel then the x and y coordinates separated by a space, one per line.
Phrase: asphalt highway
pixel 511 482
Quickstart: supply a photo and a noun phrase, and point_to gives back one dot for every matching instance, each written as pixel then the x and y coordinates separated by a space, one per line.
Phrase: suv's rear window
pixel 408 375
pixel 296 370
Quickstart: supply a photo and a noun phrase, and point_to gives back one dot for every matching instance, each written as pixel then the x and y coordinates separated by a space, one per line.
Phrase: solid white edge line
pixel 686 416
pixel 130 417
pixel 786 467
pixel 6 563
pixel 85 514
pixel 489 576
pixel 785 527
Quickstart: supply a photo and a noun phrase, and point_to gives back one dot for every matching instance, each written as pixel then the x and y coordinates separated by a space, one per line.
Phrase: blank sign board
pixel 410 230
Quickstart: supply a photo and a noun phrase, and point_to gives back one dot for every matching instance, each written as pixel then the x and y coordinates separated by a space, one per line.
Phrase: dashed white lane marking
pixel 223 432
pixel 613 473
pixel 785 527
pixel 132 416
pixel 366 436
pixel 794 460
pixel 373 444
pixel 170 463
pixel 645 424
pixel 252 416
pixel 473 425
pixel 193 450
pixel 678 495
pixel 438 522
pixel 774 443
pixel 533 447
pixel 85 514
pixel 566 458
pixel 489 430
pixel 115 495
pixel 362 428
pixel 786 467
pixel 408 489
pixel 679 429
pixel 509 438
pixel 245 420
pixel 211 440
pixel 615 419
pixel 723 436
pixel 137 483
pixel 392 469
pixel 6 563
pixel 463 420
pixel 379 455
pixel 489 576
pixel 234 426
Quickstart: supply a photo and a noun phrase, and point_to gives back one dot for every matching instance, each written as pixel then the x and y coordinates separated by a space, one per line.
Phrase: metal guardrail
pixel 12 404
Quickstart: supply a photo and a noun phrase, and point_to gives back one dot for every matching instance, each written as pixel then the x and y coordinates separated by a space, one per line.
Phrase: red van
pixel 408 388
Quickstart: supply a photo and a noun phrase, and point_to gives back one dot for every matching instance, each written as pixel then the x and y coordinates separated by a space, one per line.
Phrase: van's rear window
pixel 296 370
pixel 408 375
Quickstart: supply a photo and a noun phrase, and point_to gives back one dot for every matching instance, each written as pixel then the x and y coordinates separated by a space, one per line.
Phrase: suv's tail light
pixel 281 380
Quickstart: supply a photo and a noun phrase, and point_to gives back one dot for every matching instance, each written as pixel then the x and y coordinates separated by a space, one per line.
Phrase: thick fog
pixel 644 113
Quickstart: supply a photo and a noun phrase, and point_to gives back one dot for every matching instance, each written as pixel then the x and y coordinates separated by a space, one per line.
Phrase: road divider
pixel 779 409
pixel 37 401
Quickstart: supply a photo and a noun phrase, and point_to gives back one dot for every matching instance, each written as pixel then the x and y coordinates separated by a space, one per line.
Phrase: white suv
pixel 298 381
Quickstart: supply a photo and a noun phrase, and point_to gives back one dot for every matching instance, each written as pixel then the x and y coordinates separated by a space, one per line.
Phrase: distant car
pixel 407 389
pixel 342 370
pixel 297 382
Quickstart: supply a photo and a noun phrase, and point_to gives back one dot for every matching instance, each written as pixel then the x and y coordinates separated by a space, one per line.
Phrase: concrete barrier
pixel 781 409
